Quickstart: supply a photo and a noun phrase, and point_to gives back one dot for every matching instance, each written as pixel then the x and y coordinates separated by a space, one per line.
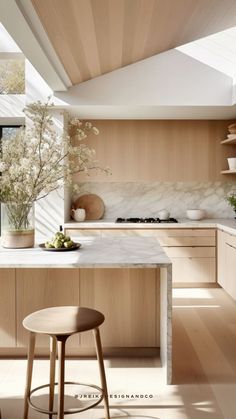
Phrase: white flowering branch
pixel 37 160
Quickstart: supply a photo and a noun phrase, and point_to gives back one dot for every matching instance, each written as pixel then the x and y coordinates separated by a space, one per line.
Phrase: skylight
pixel 217 51
pixel 7 44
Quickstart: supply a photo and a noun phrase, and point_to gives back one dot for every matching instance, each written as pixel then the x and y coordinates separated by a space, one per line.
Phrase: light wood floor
pixel 204 387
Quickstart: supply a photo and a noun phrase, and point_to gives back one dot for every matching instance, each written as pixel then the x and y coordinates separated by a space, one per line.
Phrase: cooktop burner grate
pixel 145 220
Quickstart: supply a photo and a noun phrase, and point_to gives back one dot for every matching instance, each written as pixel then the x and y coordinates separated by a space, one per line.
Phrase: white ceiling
pixel 194 81
pixel 217 51
pixel 153 112
pixel 7 44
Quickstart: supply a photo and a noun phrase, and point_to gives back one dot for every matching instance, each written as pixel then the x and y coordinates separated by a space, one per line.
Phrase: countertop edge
pixel 222 224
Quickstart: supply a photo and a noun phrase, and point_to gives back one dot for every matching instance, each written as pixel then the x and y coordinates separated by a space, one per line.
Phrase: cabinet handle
pixel 230 245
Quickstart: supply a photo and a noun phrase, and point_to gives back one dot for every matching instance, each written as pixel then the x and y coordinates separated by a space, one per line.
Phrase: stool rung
pixel 71 410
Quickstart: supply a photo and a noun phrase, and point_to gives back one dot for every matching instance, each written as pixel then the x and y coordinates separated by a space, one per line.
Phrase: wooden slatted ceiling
pixel 93 37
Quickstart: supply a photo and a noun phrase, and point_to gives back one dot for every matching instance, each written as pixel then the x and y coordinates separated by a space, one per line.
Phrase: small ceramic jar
pixel 78 214
pixel 164 214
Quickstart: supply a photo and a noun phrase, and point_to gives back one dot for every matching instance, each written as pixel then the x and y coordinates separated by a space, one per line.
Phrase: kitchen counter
pixel 112 252
pixel 228 225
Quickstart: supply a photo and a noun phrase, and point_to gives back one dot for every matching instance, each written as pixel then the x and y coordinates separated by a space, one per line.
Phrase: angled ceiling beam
pixel 14 18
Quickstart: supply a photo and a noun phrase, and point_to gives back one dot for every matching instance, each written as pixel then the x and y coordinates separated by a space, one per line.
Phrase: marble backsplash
pixel 135 199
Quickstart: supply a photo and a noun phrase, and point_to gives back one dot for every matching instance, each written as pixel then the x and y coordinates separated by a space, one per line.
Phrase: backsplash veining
pixel 145 199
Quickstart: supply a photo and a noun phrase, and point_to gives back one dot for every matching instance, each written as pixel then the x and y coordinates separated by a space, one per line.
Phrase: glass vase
pixel 17 225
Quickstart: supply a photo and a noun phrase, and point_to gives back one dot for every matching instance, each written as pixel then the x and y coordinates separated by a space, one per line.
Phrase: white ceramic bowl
pixel 232 163
pixel 196 214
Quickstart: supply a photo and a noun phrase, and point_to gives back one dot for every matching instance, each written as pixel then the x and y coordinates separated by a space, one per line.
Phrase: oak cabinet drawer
pixel 83 233
pixel 188 232
pixel 187 241
pixel 190 252
pixel 194 269
pixel 127 233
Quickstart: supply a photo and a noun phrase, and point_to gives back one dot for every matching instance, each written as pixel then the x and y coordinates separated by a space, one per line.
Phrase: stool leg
pixel 101 370
pixel 61 344
pixel 29 372
pixel 53 350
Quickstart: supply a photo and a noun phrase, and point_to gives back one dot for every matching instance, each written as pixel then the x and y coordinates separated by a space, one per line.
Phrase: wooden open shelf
pixel 229 141
pixel 227 172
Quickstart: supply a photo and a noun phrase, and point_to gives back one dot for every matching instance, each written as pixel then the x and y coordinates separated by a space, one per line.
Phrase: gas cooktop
pixel 145 220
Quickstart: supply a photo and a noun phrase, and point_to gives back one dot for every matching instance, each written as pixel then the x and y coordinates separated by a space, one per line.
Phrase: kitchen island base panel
pixel 7 308
pixel 118 276
pixel 128 297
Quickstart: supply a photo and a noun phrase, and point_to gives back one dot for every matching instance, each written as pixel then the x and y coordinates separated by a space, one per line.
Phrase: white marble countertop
pixel 228 225
pixel 128 252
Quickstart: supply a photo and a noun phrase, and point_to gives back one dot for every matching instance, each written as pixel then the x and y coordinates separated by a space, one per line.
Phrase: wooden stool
pixel 60 323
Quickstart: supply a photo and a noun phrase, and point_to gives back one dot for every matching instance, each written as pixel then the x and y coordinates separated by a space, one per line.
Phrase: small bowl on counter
pixel 196 214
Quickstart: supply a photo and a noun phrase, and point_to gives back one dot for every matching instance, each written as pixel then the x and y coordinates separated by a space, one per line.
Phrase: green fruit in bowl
pixel 59 241
pixel 68 244
pixel 49 245
pixel 57 244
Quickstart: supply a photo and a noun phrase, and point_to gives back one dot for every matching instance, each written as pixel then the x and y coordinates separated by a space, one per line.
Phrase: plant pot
pixel 232 163
pixel 17 225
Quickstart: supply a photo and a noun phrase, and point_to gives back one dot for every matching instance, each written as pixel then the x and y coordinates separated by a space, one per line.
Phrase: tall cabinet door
pixel 127 298
pixel 221 258
pixel 41 288
pixel 231 270
pixel 7 308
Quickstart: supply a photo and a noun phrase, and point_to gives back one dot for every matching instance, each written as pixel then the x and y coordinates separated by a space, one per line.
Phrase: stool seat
pixel 63 320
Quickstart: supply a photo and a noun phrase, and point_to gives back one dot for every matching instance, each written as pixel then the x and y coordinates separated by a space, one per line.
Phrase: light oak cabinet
pixel 221 258
pixel 192 252
pixel 128 298
pixel 230 258
pixel 7 308
pixel 227 262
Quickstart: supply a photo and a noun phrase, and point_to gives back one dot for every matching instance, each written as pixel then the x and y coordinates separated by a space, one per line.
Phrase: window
pixel 6 131
pixel 12 76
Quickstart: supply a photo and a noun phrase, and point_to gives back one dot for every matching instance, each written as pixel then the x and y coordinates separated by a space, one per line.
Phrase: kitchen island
pixel 127 278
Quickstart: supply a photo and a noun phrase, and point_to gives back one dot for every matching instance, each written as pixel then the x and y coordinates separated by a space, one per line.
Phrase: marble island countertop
pixel 128 252
pixel 226 224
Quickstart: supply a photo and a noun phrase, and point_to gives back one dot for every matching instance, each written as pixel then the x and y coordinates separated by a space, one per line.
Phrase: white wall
pixel 11 107
pixel 49 211
pixel 168 79
pixel 234 92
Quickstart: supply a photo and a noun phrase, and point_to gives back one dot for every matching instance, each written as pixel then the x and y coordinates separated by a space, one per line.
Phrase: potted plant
pixel 231 199
pixel 34 162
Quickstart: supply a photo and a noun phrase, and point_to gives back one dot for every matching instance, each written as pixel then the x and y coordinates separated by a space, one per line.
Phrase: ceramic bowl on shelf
pixel 196 214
